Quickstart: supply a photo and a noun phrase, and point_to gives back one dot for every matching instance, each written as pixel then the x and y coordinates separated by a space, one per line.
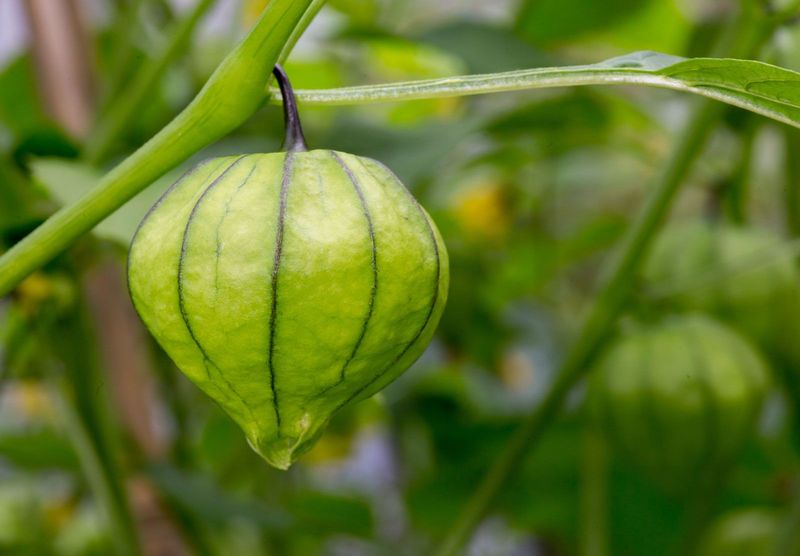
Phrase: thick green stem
pixel 125 107
pixel 231 96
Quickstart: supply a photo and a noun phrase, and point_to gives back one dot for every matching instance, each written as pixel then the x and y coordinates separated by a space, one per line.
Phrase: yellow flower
pixel 482 211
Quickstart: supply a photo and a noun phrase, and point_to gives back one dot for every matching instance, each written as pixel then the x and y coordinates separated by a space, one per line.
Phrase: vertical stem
pixel 597 326
pixel 88 421
pixel 594 494
pixel 101 481
pixel 741 39
pixel 737 192
pixel 792 190
pixel 790 380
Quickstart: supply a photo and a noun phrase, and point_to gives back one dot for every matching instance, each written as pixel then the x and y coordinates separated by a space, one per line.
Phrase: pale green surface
pixel 760 299
pixel 202 275
pixel 679 399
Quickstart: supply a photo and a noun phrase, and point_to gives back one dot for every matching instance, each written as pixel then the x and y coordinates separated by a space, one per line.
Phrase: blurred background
pixel 105 448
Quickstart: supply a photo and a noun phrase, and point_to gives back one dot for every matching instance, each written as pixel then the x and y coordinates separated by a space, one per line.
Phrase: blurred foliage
pixel 531 192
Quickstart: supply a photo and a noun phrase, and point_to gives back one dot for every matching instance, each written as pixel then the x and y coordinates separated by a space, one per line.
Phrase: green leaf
pixel 761 88
pixel 38 449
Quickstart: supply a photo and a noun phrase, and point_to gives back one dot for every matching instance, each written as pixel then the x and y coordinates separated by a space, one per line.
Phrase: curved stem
pixel 231 95
pixel 670 72
pixel 294 141
pixel 597 327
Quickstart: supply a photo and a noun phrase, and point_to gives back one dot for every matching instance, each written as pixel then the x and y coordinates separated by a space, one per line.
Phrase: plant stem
pixel 125 107
pixel 594 494
pixel 597 326
pixel 84 412
pixel 612 297
pixel 667 73
pixel 737 192
pixel 101 481
pixel 294 141
pixel 233 93
pixel 791 139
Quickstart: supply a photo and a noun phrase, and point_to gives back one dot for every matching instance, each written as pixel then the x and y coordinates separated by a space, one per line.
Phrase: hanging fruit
pixel 288 285
pixel 740 275
pixel 679 399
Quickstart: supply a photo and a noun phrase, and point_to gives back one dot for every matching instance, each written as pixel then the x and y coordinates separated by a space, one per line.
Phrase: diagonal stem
pixel 609 303
pixel 231 95
pixel 597 327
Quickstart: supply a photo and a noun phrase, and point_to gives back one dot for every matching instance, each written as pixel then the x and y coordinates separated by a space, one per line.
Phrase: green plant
pixel 743 276
pixel 679 399
pixel 287 285
pixel 240 86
